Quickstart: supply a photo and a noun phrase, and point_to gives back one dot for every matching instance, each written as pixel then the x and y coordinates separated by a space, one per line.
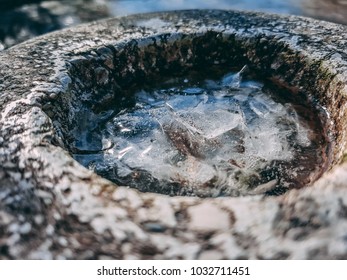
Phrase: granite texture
pixel 5 4
pixel 53 208
pixel 22 20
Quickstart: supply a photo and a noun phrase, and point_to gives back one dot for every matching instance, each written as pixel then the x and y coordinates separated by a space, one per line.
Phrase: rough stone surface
pixel 203 218
pixel 53 208
pixel 21 20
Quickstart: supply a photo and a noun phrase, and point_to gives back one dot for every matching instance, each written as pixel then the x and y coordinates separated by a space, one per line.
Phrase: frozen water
pixel 234 80
pixel 201 137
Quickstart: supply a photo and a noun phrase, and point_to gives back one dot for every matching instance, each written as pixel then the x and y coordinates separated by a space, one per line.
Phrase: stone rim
pixel 54 183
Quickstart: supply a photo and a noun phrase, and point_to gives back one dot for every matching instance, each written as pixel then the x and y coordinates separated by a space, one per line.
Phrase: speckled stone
pixel 202 218
pixel 53 208
pixel 211 255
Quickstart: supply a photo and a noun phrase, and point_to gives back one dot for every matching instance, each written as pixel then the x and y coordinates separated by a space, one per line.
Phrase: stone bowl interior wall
pixel 99 77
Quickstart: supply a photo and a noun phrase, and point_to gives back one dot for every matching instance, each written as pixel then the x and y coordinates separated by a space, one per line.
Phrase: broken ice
pixel 211 138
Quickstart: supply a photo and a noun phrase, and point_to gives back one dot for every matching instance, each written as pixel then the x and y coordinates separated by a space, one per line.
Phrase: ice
pixel 194 90
pixel 205 122
pixel 252 84
pixel 212 137
pixel 258 107
pixel 210 84
pixel 234 80
pixel 184 102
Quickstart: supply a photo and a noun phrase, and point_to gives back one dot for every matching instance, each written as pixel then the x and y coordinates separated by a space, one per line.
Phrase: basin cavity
pixel 218 132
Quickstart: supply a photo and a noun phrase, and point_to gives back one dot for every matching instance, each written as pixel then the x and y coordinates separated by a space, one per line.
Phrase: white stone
pixel 208 217
pixel 160 212
pixel 226 243
pixel 211 255
pixel 187 251
pixel 49 230
pixel 25 229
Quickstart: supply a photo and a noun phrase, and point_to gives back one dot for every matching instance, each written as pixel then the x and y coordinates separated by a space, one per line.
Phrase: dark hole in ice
pixel 205 134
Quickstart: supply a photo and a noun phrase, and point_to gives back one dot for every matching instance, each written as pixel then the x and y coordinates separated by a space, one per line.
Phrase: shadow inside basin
pixel 138 88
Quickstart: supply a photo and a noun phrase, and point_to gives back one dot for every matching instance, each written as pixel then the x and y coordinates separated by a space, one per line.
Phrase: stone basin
pixel 51 207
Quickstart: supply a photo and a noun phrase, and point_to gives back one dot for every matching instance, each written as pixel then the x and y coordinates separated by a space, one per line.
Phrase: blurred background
pixel 23 19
